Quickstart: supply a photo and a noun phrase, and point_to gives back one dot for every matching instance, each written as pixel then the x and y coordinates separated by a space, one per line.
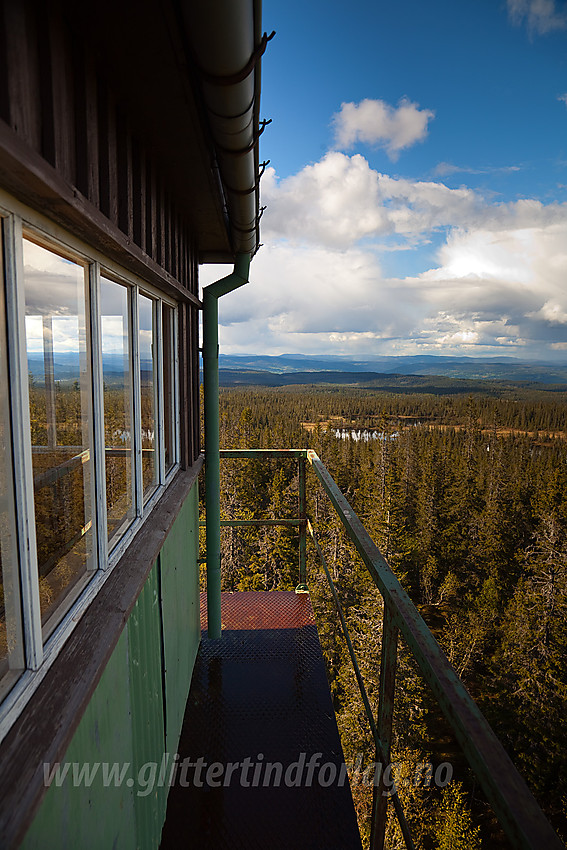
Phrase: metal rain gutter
pixel 211 294
pixel 227 45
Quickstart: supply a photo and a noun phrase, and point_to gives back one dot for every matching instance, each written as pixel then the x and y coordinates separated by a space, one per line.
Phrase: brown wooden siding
pixel 56 100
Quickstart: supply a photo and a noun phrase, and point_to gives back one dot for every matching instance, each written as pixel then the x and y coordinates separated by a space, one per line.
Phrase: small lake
pixel 364 435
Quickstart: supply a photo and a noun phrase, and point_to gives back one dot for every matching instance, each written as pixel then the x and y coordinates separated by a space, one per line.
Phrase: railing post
pixel 383 790
pixel 303 526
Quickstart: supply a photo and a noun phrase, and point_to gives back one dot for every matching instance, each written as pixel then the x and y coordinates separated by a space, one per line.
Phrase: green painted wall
pixel 181 622
pixel 146 696
pixel 65 818
pixel 133 721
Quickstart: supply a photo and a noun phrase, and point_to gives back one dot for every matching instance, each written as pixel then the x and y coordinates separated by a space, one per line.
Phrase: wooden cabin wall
pixel 53 97
pixel 56 100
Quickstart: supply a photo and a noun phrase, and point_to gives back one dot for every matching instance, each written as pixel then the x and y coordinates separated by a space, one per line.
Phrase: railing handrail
pixel 66 467
pixel 381 752
pixel 513 803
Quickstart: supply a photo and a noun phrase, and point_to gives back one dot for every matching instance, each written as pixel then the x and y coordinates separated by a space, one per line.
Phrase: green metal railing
pixel 301 521
pixel 512 802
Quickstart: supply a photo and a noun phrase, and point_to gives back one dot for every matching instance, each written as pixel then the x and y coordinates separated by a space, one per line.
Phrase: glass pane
pixel 168 385
pixel 117 395
pixel 148 393
pixel 60 395
pixel 11 638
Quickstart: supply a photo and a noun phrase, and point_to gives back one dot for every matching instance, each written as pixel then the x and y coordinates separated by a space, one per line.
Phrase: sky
pixel 416 195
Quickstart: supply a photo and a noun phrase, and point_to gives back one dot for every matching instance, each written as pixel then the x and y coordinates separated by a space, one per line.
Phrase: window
pixel 148 365
pixel 118 403
pixel 61 423
pixel 169 389
pixel 11 637
pixel 88 418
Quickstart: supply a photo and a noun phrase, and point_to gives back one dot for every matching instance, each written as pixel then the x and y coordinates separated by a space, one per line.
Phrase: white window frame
pixel 156 389
pixel 176 447
pixel 15 218
pixel 16 658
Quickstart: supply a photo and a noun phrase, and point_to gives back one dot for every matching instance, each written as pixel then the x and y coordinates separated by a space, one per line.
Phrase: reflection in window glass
pixel 11 639
pixel 60 396
pixel 146 339
pixel 168 385
pixel 117 396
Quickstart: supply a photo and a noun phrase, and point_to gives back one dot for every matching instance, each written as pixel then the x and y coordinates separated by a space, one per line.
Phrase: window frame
pixel 10 568
pixel 36 236
pixel 175 419
pixel 16 220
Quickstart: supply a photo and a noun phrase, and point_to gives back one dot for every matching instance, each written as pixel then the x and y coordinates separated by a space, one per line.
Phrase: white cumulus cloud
pixel 490 290
pixel 376 123
pixel 505 285
pixel 319 284
pixel 552 312
pixel 540 16
pixel 341 200
pixel 334 202
pixel 446 169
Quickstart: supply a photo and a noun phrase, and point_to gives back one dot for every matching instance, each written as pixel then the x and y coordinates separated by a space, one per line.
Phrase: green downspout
pixel 211 294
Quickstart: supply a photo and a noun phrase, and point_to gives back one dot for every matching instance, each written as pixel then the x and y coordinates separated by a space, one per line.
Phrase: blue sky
pixel 417 187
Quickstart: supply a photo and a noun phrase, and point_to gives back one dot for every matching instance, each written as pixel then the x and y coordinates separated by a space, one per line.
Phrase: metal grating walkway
pixel 261 693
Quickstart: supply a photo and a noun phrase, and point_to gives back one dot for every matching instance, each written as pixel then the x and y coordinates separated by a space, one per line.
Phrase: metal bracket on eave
pixel 239 76
pixel 250 229
pixel 253 188
pixel 249 148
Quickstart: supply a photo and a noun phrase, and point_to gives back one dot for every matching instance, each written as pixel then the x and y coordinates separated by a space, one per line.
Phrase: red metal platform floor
pixel 260 696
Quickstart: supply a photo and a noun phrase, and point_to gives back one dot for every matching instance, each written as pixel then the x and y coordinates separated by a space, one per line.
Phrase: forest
pixel 466 497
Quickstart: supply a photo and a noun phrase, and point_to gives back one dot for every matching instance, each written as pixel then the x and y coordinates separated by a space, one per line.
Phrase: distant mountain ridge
pixel 285 369
pixel 66 366
pixel 471 368
pixel 387 382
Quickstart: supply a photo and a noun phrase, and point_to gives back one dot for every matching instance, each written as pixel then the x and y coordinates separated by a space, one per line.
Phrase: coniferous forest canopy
pixel 466 496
